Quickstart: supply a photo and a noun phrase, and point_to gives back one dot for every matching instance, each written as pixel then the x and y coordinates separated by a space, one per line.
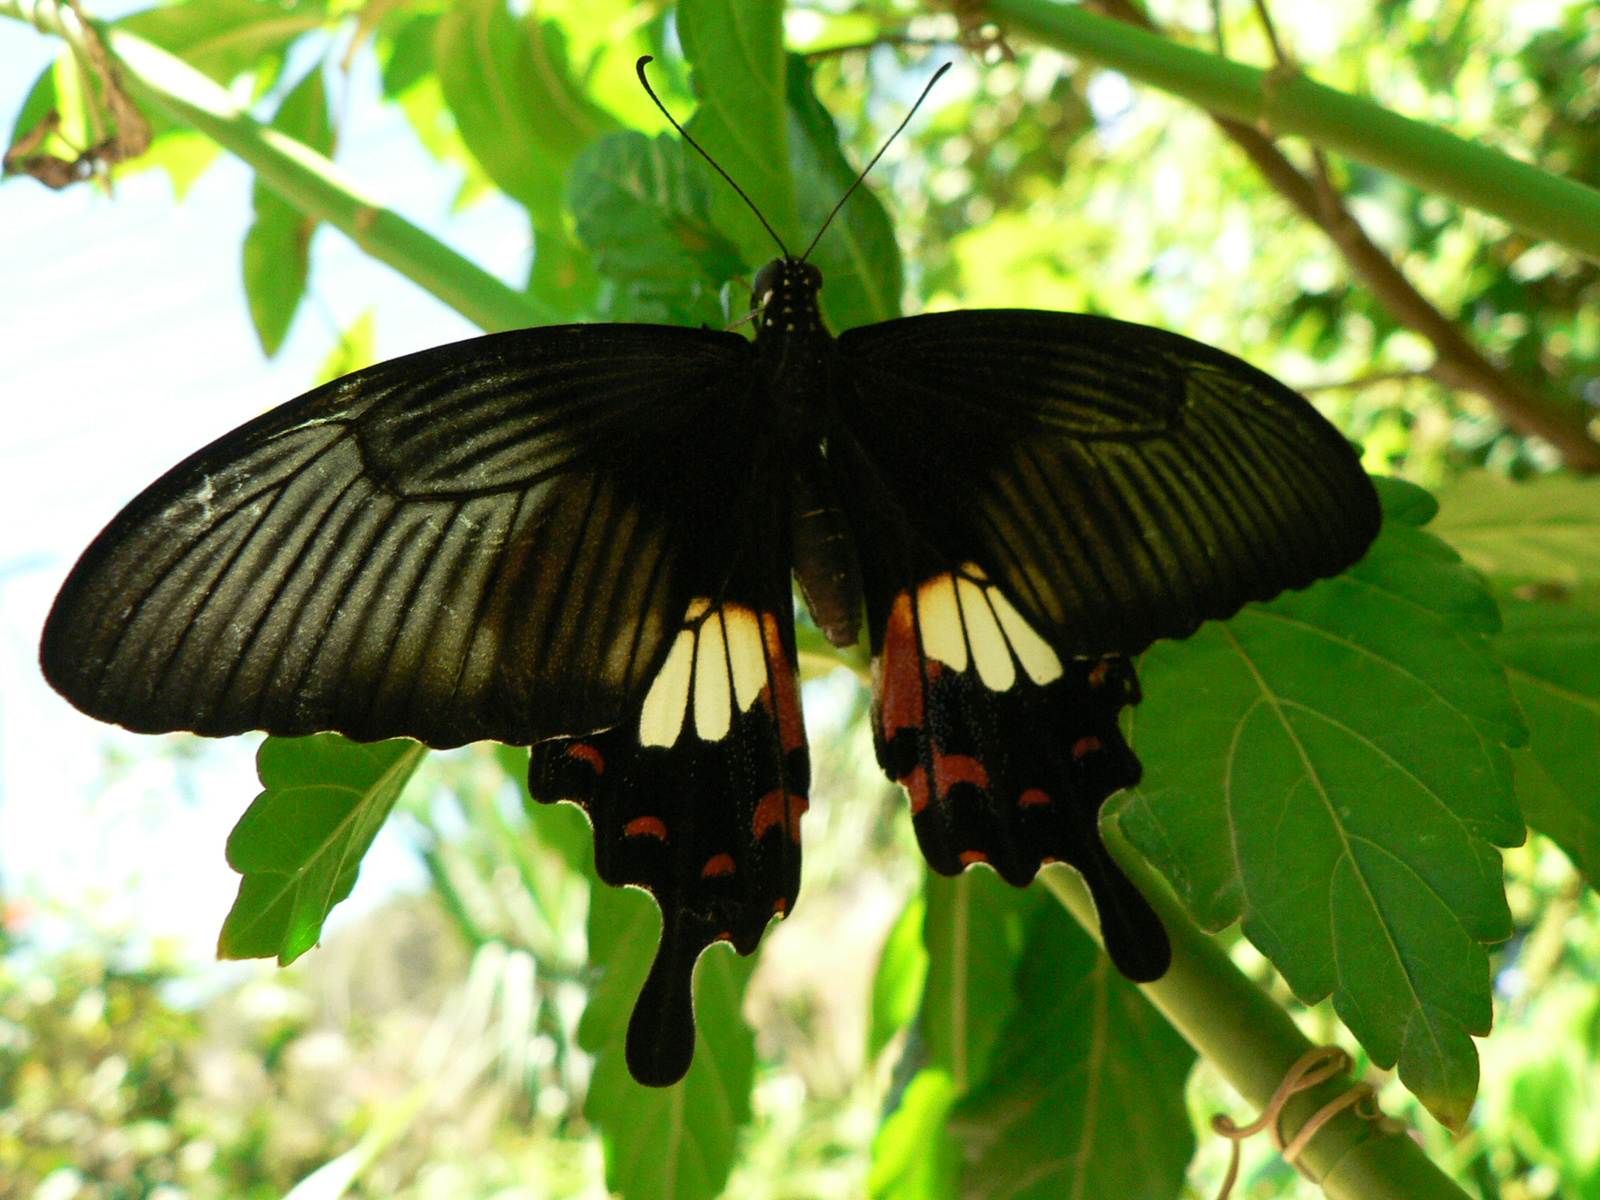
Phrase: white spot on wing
pixel 939 622
pixel 661 718
pixel 990 654
pixel 1040 662
pixel 745 654
pixel 712 704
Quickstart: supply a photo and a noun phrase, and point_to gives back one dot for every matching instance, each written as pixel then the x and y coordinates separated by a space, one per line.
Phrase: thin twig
pixel 1364 381
pixel 885 40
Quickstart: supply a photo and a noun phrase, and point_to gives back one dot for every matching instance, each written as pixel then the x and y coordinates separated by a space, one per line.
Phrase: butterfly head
pixel 786 296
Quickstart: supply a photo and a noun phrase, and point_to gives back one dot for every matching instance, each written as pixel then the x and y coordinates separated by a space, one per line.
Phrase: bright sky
pixel 125 344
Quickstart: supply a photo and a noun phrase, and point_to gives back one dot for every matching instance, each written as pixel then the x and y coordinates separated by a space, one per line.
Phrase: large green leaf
pixel 973 932
pixel 1085 1093
pixel 515 101
pixel 902 974
pixel 858 255
pixel 736 48
pixel 225 38
pixel 277 249
pixel 1545 530
pixel 913 1155
pixel 300 843
pixel 675 1142
pixel 1332 768
pixel 1552 654
pixel 643 207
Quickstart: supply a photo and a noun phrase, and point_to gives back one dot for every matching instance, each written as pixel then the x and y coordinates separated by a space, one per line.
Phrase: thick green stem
pixel 1544 205
pixel 1254 1043
pixel 305 178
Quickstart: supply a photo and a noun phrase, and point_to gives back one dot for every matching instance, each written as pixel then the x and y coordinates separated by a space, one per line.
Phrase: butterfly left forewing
pixel 1121 483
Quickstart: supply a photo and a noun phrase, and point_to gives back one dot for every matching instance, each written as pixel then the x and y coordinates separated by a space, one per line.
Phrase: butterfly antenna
pixel 851 190
pixel 684 133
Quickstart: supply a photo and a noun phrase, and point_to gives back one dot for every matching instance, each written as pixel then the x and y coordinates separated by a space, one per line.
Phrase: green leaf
pixel 1085 1096
pixel 355 349
pixel 858 255
pixel 225 38
pixel 643 206
pixel 562 827
pixel 277 249
pixel 1552 655
pixel 1332 768
pixel 913 1156
pixel 736 49
pixel 300 843
pixel 1545 530
pixel 973 932
pixel 515 102
pixel 675 1142
pixel 902 974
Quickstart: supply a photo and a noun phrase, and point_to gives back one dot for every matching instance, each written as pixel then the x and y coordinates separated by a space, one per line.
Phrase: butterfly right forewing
pixel 492 539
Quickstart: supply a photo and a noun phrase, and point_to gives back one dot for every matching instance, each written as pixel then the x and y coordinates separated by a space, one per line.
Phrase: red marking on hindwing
pixel 900 700
pixel 1097 677
pixel 781 689
pixel 951 769
pixel 587 753
pixel 716 865
pixel 778 807
pixel 646 827
pixel 1085 745
pixel 968 857
pixel 1032 797
pixel 916 785
pixel 780 906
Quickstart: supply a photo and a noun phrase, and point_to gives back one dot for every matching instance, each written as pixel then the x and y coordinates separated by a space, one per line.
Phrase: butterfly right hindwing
pixel 697 796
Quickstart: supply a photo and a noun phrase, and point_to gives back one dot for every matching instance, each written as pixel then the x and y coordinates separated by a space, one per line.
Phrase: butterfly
pixel 582 538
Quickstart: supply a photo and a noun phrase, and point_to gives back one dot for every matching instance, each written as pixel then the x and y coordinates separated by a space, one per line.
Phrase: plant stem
pixel 1535 201
pixel 1254 1043
pixel 1459 363
pixel 301 176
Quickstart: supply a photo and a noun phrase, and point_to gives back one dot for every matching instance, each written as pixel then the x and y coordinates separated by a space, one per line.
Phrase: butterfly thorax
pixel 797 354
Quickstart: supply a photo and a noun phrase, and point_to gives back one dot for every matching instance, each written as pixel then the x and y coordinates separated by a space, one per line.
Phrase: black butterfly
pixel 582 537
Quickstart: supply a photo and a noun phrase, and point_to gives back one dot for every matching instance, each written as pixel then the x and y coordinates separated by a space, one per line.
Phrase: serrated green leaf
pixel 1544 530
pixel 643 207
pixel 1332 767
pixel 277 248
pixel 300 843
pixel 515 103
pixel 858 255
pixel 1405 503
pixel 225 38
pixel 1085 1096
pixel 973 932
pixel 1552 655
pixel 736 49
pixel 913 1156
pixel 902 973
pixel 675 1142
